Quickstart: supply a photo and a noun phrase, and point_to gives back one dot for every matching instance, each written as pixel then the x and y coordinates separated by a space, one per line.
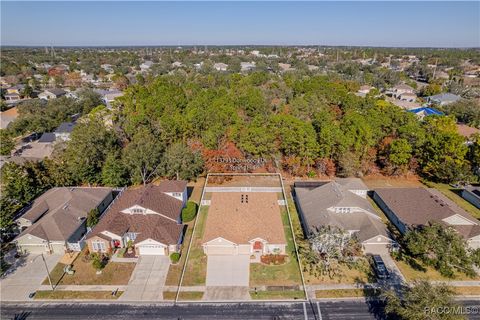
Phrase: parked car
pixel 31 295
pixel 379 267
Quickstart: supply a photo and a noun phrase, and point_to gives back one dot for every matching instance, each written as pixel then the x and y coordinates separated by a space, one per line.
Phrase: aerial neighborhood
pixel 239 174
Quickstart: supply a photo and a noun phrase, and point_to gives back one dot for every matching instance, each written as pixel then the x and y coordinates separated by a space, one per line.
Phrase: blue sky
pixel 380 23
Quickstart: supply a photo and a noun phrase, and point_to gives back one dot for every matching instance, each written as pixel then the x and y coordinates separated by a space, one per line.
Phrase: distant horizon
pixel 382 24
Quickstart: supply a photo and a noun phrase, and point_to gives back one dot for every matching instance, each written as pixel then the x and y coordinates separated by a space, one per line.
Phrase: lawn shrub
pixel 189 212
pixel 174 257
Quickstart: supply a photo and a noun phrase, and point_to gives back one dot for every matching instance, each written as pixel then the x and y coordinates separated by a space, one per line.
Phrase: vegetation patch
pixel 190 295
pixel 189 212
pixel 277 295
pixel 73 295
pixel 346 293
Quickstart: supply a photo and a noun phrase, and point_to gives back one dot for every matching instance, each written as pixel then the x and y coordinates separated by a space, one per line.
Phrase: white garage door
pixel 222 250
pixel 151 250
pixel 32 248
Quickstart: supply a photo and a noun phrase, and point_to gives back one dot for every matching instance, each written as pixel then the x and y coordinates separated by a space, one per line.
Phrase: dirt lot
pixel 244 181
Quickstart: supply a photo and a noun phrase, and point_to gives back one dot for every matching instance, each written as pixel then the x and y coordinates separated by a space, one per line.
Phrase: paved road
pixel 329 310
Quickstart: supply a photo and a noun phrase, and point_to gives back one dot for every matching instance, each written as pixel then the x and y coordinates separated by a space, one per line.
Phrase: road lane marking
pixel 305 311
pixel 319 313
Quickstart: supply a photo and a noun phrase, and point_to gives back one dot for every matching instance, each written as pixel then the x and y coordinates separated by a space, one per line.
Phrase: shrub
pixel 189 212
pixel 98 261
pixel 174 257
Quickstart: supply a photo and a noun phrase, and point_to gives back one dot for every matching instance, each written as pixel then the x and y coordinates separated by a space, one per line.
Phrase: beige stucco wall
pixel 95 238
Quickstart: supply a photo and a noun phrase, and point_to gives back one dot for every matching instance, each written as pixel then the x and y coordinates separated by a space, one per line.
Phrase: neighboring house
pixel 467 132
pixel 342 203
pixel 219 66
pixel 64 130
pixel 7 116
pixel 400 89
pixel 472 195
pixel 284 67
pixel 50 94
pixel 148 218
pixel 408 96
pixel 56 221
pixel 409 208
pixel 146 66
pixel 17 89
pixel 177 64
pixel 12 97
pixel 443 98
pixel 247 66
pixel 423 112
pixel 244 223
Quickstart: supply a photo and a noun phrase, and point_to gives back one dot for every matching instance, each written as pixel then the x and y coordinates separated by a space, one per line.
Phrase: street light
pixel 46 268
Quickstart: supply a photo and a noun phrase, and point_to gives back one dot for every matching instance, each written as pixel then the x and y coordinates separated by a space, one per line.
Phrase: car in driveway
pixel 379 267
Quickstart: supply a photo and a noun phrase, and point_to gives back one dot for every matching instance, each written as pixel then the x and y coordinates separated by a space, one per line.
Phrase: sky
pixel 378 23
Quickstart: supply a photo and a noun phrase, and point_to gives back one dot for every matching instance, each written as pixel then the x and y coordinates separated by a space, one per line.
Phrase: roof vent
pixel 65 207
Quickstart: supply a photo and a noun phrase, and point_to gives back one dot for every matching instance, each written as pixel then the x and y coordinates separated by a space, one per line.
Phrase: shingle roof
pixel 57 213
pixel 419 206
pixel 65 127
pixel 315 203
pixel 158 227
pixel 47 137
pixel 239 222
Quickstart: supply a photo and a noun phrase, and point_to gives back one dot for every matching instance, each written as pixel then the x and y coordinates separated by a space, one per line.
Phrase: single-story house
pixel 7 116
pixel 64 130
pixel 409 208
pixel 443 98
pixel 408 96
pixel 219 66
pixel 244 223
pixel 146 218
pixel 423 112
pixel 341 203
pixel 56 221
pixel 52 94
pixel 472 195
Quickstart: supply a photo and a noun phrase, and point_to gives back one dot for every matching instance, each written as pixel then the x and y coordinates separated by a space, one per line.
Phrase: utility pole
pixel 435 69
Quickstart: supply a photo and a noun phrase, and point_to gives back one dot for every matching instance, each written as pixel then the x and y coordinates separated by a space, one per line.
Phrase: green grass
pixel 422 271
pixel 190 295
pixel 281 275
pixel 196 270
pixel 87 295
pixel 345 293
pixel 175 270
pixel 454 195
pixel 277 295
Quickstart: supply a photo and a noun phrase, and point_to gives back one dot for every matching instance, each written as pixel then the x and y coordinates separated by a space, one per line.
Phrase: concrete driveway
pixel 26 276
pixel 228 270
pixel 148 279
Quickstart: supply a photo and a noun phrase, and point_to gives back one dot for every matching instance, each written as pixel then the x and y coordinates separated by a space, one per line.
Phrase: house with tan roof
pixel 244 223
pixel 410 208
pixel 56 221
pixel 148 218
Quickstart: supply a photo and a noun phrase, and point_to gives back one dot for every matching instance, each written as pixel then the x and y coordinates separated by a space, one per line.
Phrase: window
pixel 177 194
pixel 131 235
pixel 137 210
pixel 99 246
pixel 342 210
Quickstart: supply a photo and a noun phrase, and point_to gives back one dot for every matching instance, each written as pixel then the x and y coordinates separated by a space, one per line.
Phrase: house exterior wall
pixel 244 249
pixel 98 239
pixel 467 195
pixel 32 244
pixel 390 214
pixel 474 243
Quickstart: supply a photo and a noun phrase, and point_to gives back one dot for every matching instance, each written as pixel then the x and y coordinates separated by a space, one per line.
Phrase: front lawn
pixel 278 275
pixel 417 270
pixel 277 295
pixel 467 291
pixel 196 270
pixel 346 293
pixel 184 295
pixel 87 295
pixel 115 273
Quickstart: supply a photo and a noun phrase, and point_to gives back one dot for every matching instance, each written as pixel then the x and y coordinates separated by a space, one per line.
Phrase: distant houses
pixel 443 99
pixel 50 94
pixel 472 195
pixel 423 112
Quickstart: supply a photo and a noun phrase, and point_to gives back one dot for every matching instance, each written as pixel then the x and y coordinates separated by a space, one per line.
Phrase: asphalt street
pixel 357 310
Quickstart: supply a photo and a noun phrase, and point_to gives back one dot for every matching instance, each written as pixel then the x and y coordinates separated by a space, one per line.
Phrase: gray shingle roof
pixel 314 204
